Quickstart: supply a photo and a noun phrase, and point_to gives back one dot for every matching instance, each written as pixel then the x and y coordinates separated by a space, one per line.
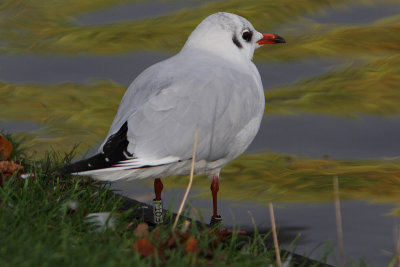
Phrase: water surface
pixel 50 69
pixel 356 13
pixel 124 68
pixel 11 126
pixel 323 135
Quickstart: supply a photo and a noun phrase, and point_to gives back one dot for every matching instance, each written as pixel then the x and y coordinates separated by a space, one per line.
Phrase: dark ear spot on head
pixel 236 42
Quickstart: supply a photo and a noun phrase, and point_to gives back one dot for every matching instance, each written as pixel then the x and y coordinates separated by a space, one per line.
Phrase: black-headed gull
pixel 211 85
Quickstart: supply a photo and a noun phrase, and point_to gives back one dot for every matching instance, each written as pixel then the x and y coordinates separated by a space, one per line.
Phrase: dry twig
pixel 275 236
pixel 338 214
pixel 190 179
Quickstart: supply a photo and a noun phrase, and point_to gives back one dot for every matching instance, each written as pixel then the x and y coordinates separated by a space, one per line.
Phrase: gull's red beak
pixel 270 38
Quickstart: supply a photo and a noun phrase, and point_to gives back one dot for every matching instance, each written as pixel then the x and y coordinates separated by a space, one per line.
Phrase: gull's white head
pixel 229 35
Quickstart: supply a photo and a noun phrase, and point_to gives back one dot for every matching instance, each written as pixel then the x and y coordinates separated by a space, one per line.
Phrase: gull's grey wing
pixel 141 89
pixel 220 101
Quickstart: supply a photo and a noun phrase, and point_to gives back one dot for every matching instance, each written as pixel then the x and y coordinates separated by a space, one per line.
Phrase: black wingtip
pixel 98 161
pixel 65 170
pixel 72 168
pixel 114 151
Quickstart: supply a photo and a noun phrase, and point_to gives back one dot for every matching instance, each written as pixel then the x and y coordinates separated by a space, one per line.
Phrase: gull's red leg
pixel 158 187
pixel 157 202
pixel 214 190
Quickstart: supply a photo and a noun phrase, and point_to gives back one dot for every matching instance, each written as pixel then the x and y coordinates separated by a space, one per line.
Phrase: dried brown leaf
pixel 7 169
pixel 192 246
pixel 145 247
pixel 142 230
pixel 5 148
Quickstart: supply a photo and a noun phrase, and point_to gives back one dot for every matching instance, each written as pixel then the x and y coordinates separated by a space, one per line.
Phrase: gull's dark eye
pixel 246 35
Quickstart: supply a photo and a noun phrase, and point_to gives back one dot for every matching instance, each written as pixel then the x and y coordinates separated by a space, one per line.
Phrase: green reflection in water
pixel 332 41
pixel 275 177
pixel 370 87
pixel 72 113
pixel 56 30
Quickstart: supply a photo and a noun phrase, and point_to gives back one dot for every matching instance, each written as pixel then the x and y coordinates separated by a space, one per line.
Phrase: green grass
pixel 38 229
